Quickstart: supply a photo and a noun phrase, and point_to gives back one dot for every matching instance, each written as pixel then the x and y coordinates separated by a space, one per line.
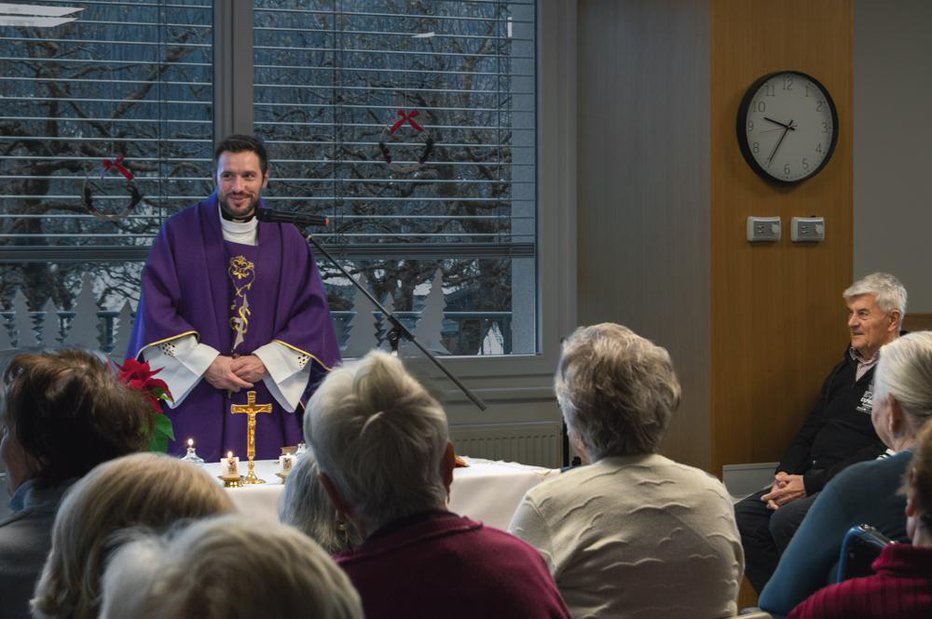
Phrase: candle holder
pixel 192 456
pixel 230 481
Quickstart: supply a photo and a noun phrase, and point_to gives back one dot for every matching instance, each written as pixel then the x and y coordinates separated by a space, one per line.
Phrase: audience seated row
pixel 630 534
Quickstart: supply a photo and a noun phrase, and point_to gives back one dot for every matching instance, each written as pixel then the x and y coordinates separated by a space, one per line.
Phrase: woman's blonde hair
pixel 139 490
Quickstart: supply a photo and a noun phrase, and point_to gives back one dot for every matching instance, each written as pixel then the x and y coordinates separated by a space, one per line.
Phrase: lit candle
pixel 230 465
pixel 190 443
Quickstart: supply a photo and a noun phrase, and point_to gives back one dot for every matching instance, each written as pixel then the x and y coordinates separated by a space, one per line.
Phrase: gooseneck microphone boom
pixel 298 219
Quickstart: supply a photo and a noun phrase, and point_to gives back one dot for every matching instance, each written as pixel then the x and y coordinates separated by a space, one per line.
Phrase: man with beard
pixel 231 305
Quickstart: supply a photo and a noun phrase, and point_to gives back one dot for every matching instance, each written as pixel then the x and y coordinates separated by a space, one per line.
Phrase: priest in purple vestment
pixel 231 305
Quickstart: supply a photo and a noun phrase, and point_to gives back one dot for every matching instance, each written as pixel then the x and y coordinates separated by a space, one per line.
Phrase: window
pixel 411 125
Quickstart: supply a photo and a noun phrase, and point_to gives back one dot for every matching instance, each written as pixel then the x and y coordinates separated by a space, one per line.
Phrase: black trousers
pixel 765 533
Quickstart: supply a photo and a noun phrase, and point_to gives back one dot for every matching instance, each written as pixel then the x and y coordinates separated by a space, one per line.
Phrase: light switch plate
pixel 807 229
pixel 764 229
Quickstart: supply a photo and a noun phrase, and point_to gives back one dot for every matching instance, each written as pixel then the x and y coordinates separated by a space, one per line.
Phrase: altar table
pixel 486 490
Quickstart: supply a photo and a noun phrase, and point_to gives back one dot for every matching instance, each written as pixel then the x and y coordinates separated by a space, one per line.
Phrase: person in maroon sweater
pixel 902 584
pixel 386 462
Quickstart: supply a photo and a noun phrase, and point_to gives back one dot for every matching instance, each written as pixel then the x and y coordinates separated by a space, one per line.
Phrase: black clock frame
pixel 743 119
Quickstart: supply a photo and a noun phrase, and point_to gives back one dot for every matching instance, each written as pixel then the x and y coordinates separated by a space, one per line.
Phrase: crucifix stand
pixel 251 409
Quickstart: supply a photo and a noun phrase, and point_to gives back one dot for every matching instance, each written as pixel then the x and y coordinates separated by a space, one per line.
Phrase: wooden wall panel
pixel 777 318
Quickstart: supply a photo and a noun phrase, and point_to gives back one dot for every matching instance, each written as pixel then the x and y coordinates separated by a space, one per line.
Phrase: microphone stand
pixel 398 330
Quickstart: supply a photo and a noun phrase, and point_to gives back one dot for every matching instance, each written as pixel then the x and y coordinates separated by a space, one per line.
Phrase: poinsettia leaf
pixel 158 444
pixel 163 425
pixel 158 393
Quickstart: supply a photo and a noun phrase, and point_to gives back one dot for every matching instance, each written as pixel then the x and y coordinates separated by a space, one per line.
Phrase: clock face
pixel 787 126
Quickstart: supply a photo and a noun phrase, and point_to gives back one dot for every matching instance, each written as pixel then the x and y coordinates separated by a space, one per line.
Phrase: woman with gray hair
pixel 386 461
pixel 632 533
pixel 867 492
pixel 305 506
pixel 226 568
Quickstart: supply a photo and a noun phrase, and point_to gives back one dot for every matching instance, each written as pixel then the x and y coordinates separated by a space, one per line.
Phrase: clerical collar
pixel 242 232
pixel 240 220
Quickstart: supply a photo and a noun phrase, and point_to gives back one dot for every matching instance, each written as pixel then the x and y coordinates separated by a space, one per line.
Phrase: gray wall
pixel 893 143
pixel 643 195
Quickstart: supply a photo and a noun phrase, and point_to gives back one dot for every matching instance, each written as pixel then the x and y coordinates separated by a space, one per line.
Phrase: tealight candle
pixel 230 465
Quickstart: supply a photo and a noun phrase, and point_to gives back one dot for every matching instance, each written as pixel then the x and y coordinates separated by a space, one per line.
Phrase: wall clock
pixel 787 126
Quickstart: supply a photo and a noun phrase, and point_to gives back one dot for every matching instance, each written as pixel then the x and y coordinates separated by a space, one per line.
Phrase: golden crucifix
pixel 252 409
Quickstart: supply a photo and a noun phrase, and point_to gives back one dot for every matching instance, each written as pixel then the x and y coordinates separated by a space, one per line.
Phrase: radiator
pixel 539 444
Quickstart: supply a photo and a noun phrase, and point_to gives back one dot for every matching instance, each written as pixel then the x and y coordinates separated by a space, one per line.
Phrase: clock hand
pixel 776 122
pixel 780 141
pixel 786 129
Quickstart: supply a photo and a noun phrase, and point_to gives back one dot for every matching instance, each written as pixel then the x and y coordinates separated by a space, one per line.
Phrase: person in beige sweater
pixel 632 533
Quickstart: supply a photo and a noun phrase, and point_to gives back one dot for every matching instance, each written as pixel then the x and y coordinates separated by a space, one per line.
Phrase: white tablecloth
pixel 486 490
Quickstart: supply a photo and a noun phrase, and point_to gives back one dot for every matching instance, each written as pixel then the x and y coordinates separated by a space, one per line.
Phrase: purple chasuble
pixel 187 289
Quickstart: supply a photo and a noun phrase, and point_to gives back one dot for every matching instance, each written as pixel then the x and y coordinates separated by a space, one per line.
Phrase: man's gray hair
pixel 617 390
pixel 888 291
pixel 380 437
pixel 905 372
pixel 226 568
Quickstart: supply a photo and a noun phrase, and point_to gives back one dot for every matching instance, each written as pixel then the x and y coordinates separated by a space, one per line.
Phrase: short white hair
pixel 380 437
pixel 889 293
pixel 226 568
pixel 905 372
pixel 617 390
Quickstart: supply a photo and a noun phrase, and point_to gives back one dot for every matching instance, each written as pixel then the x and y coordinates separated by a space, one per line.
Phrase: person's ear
pixel 336 497
pixel 265 177
pixel 895 317
pixel 896 420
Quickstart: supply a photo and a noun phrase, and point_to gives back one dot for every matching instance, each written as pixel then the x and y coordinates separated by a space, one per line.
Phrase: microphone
pixel 298 219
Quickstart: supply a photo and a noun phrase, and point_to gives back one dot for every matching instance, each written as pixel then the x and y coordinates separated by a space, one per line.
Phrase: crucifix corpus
pixel 251 409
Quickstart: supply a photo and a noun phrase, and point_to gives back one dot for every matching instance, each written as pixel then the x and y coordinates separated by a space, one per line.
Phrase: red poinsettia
pixel 140 376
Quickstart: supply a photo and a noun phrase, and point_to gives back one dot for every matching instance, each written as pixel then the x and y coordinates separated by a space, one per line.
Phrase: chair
pixel 861 545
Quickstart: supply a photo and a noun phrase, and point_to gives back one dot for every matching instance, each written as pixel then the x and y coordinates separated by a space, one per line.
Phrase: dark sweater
pixel 838 432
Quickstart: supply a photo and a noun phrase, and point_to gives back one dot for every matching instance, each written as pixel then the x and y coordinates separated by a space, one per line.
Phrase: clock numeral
pixel 824 127
pixel 819 106
pixel 786 170
pixel 761 106
pixel 750 126
pixel 755 147
pixel 818 148
pixel 805 165
pixel 807 90
pixel 770 90
pixel 787 82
